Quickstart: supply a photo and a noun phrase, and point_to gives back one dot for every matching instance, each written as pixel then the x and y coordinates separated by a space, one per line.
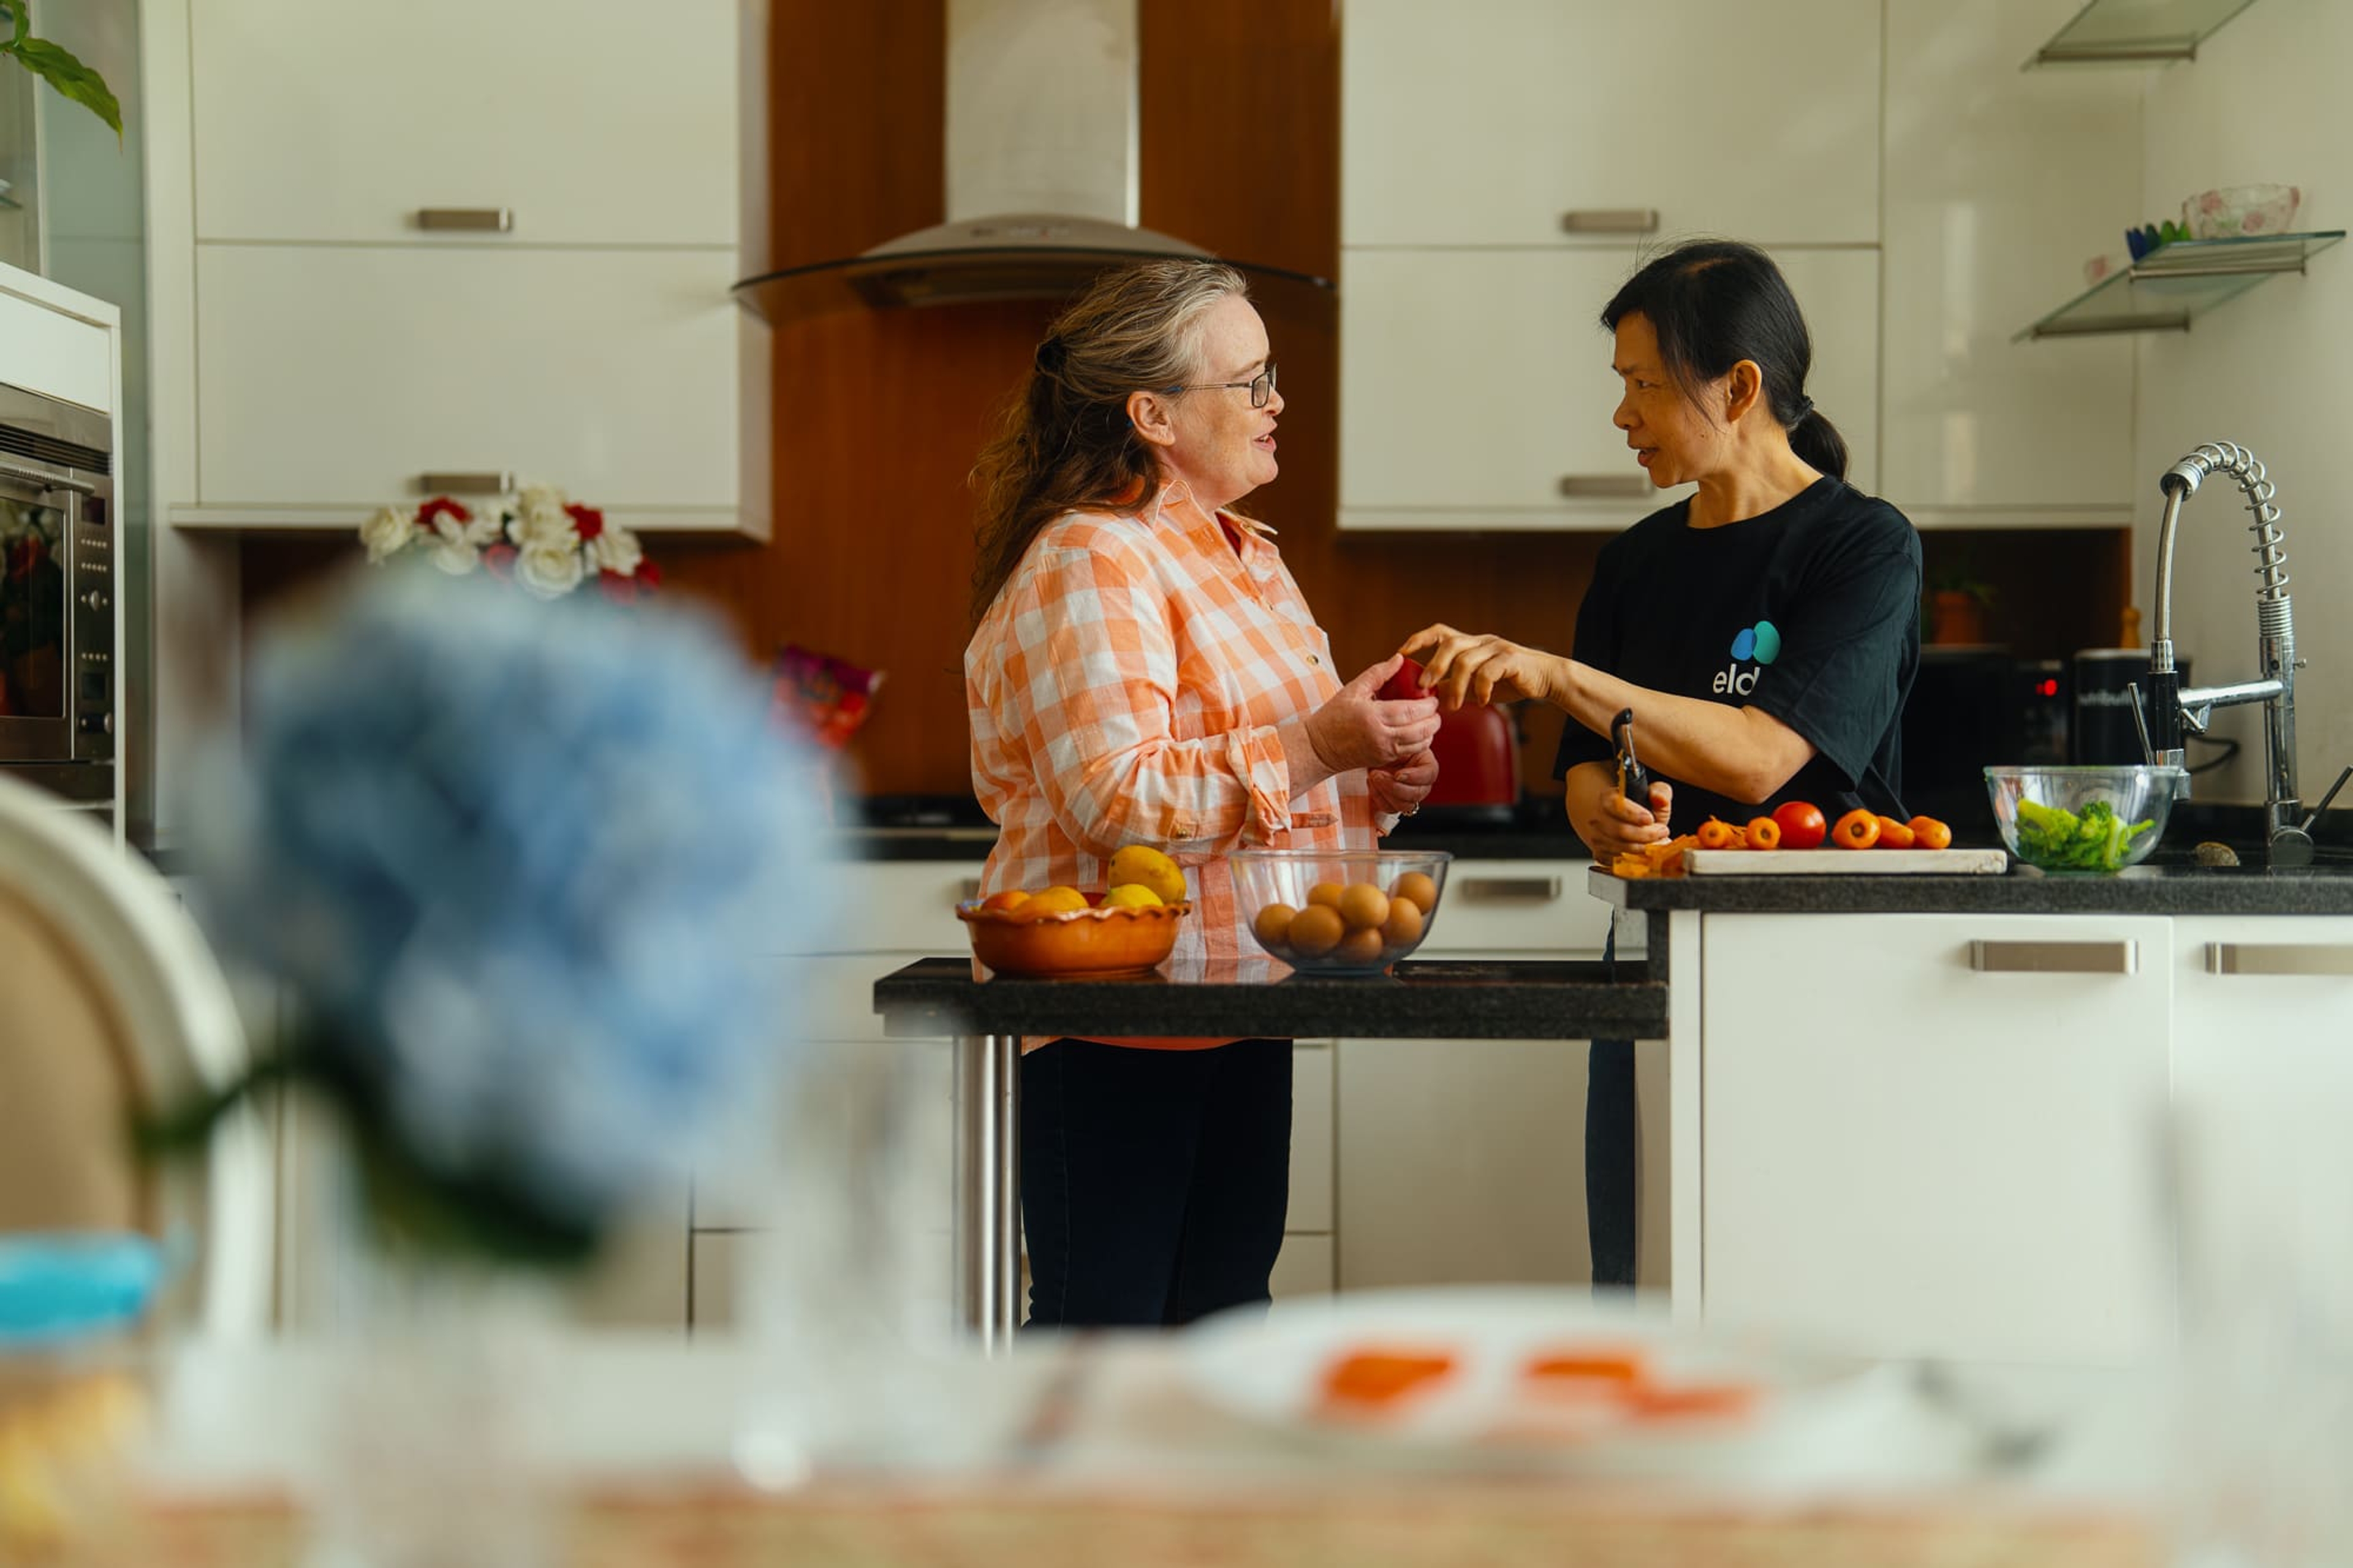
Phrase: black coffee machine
pixel 1971 707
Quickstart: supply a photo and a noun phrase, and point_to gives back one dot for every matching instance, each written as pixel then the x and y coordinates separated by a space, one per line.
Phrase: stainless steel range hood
pixel 1043 183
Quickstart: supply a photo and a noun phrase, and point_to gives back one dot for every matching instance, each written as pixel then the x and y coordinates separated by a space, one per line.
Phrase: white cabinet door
pixel 1462 1161
pixel 2263 1088
pixel 1474 382
pixel 2001 184
pixel 335 376
pixel 2264 996
pixel 594 121
pixel 1522 908
pixel 1483 122
pixel 1907 1154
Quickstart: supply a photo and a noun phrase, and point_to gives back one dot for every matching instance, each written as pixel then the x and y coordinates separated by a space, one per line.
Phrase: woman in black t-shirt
pixel 1764 630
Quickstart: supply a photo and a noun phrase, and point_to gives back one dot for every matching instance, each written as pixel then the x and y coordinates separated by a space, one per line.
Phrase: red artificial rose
pixel 441 506
pixel 586 519
pixel 498 560
pixel 649 575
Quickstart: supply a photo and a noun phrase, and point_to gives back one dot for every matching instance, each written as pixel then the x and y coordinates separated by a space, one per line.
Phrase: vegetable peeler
pixel 1633 781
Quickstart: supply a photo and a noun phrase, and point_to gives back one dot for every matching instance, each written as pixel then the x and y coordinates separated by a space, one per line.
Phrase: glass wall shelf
pixel 2173 285
pixel 2137 32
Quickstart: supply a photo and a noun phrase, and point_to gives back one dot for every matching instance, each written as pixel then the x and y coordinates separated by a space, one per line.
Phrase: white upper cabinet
pixel 1477 392
pixel 594 121
pixel 2001 184
pixel 1488 121
pixel 339 376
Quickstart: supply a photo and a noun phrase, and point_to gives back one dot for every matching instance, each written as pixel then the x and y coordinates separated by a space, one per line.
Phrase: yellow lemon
pixel 1133 896
pixel 1054 901
pixel 1141 866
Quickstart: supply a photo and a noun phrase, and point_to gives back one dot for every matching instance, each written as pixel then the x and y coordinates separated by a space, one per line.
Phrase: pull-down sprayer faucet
pixel 2171 709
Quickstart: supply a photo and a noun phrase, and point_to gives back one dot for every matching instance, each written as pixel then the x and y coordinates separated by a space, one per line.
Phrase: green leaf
pixel 73 80
pixel 23 17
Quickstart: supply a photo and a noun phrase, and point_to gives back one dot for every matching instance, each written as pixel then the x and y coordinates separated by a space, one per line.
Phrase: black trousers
pixel 1612 1117
pixel 1154 1182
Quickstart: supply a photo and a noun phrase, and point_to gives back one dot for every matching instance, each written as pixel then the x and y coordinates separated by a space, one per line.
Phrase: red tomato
pixel 1764 833
pixel 1405 685
pixel 1802 825
pixel 1858 829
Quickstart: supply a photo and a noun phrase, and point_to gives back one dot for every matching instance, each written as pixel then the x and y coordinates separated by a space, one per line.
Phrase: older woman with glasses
pixel 1146 671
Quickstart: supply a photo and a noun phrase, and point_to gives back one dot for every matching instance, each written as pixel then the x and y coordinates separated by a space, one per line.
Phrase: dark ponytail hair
pixel 1715 302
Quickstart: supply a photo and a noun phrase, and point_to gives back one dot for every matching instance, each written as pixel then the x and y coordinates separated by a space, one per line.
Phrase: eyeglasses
pixel 1261 387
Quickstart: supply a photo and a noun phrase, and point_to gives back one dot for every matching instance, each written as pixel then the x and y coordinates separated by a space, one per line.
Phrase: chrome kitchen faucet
pixel 2171 709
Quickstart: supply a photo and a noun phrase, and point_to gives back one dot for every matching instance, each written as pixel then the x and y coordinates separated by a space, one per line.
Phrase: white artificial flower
pixel 386 534
pixel 617 550
pixel 455 557
pixel 540 518
pixel 549 571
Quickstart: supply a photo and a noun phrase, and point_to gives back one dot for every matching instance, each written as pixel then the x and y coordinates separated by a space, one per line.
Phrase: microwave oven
pixel 58 590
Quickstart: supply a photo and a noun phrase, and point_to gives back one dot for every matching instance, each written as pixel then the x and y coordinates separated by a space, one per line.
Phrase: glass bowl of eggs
pixel 1339 911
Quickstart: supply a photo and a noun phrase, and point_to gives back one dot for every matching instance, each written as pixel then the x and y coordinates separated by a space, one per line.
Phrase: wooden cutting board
pixel 1845 862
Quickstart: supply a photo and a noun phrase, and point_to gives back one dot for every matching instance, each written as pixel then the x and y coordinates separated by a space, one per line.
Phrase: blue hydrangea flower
pixel 525 865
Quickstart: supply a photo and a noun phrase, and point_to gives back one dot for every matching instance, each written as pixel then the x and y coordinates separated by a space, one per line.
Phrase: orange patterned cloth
pixel 1130 685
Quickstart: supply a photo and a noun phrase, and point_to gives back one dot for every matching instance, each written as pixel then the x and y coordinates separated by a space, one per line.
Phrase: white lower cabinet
pixel 1920 1140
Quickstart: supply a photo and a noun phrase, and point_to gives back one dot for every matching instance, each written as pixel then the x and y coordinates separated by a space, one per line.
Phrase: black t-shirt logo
pixel 1762 643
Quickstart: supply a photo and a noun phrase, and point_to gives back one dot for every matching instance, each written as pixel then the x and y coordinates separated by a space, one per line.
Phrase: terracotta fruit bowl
pixel 1092 944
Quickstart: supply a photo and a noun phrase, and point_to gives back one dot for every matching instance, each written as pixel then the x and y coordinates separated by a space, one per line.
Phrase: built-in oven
pixel 58 583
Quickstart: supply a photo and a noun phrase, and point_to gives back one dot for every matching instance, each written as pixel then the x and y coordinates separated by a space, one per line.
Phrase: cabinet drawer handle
pixel 471 220
pixel 2279 958
pixel 1605 487
pixel 1610 220
pixel 1517 889
pixel 2055 957
pixel 496 483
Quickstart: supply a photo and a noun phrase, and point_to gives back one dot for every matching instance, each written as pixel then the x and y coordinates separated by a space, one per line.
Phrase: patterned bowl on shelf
pixel 2242 212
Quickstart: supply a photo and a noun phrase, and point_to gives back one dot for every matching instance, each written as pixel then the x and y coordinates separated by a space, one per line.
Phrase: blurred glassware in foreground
pixel 518 868
pixel 518 865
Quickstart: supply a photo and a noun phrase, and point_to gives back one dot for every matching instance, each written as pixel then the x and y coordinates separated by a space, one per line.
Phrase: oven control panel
pixel 93 584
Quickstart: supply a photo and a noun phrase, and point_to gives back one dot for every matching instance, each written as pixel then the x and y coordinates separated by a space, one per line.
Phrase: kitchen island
pixel 1912 1115
pixel 1430 999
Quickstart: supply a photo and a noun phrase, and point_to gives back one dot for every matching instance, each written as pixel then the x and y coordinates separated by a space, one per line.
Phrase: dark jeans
pixel 1611 1120
pixel 1154 1182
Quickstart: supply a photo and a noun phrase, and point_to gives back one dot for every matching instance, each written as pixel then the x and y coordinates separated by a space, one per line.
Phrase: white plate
pixel 1274 1373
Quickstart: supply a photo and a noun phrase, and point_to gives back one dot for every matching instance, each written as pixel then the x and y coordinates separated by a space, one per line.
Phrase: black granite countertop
pixel 941 827
pixel 1434 999
pixel 2164 886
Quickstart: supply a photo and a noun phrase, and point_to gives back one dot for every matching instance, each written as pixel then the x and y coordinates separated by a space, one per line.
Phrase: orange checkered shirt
pixel 1129 686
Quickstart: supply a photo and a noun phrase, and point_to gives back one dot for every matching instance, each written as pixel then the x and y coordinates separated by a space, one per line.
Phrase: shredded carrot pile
pixel 1663 860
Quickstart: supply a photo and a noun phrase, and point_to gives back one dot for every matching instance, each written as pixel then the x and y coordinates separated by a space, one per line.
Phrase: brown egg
pixel 1360 946
pixel 1326 893
pixel 1273 927
pixel 1364 905
pixel 1416 887
pixel 1316 930
pixel 1403 928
